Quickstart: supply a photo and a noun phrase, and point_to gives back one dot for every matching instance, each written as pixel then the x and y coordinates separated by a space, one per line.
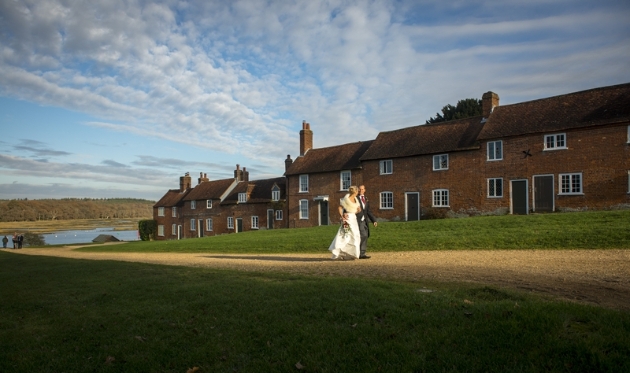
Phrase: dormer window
pixel 209 204
pixel 242 197
pixel 440 162
pixel 193 205
pixel 275 193
pixel 556 141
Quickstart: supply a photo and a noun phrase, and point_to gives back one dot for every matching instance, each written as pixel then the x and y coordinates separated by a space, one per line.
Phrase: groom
pixel 363 218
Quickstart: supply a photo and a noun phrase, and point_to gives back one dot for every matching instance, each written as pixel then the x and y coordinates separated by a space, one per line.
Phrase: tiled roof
pixel 172 198
pixel 334 158
pixel 426 139
pixel 212 189
pixel 261 192
pixel 574 110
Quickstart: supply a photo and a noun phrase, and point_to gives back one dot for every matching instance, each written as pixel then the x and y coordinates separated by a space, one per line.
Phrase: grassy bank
pixel 101 316
pixel 51 226
pixel 584 230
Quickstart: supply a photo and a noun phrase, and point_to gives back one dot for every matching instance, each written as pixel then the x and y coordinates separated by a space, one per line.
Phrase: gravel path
pixel 600 277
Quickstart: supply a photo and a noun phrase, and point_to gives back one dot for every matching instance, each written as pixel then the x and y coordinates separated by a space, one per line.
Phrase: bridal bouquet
pixel 344 229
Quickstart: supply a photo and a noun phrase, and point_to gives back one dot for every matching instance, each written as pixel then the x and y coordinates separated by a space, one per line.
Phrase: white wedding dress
pixel 347 244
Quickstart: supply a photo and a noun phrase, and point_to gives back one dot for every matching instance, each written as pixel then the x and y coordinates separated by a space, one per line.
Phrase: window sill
pixel 494 160
pixel 494 197
pixel 441 206
pixel 552 149
pixel 570 194
pixel 441 169
pixel 385 208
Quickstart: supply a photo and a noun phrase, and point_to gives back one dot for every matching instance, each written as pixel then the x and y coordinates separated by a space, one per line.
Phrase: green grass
pixel 63 315
pixel 583 230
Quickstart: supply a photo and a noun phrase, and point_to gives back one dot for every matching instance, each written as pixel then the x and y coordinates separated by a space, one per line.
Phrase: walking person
pixel 14 240
pixel 5 240
pixel 364 218
pixel 347 241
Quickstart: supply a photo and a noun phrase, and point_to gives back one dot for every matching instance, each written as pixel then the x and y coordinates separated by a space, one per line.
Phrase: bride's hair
pixel 353 190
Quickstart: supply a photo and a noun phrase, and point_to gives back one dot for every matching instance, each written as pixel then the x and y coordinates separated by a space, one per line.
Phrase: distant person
pixel 5 240
pixel 20 240
pixel 14 240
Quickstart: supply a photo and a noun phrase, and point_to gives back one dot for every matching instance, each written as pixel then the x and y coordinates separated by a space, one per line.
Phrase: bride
pixel 347 241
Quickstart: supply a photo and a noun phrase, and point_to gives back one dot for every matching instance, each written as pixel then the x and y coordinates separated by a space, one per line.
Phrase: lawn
pixel 63 315
pixel 584 230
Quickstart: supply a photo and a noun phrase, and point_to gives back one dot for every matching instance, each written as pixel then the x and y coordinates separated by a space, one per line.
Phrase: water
pixel 86 236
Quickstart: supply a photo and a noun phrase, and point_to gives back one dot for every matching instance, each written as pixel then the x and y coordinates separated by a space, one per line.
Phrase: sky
pixel 118 99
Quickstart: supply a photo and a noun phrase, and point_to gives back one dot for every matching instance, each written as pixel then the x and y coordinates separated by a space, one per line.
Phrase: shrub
pixel 147 229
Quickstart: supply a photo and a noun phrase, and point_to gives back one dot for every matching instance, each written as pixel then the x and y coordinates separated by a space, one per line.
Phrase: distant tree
pixel 33 239
pixel 466 108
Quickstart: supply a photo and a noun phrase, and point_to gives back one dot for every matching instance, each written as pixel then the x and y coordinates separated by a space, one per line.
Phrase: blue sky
pixel 106 98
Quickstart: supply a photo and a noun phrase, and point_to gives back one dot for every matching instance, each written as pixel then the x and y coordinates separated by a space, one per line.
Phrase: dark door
pixel 269 219
pixel 323 212
pixel 519 197
pixel 239 225
pixel 201 227
pixel 543 193
pixel 413 206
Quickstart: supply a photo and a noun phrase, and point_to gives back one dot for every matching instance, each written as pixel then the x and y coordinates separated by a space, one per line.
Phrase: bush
pixel 147 229
pixel 429 213
pixel 33 239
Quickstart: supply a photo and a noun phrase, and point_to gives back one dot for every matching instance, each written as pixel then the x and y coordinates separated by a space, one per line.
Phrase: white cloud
pixel 238 77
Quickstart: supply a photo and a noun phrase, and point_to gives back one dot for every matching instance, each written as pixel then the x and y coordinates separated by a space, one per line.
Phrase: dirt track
pixel 600 277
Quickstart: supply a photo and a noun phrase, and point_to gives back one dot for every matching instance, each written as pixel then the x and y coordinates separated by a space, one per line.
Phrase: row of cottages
pixel 222 206
pixel 564 153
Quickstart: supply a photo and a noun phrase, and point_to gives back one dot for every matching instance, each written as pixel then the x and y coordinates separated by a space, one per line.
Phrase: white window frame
pixel 255 222
pixel 494 150
pixel 303 184
pixel 242 197
pixel 193 204
pixel 628 135
pixel 492 184
pixel 160 231
pixel 386 167
pixel 174 212
pixel 386 200
pixel 193 224
pixel 303 206
pixel 279 215
pixel 209 204
pixel 275 193
pixel 174 229
pixel 209 225
pixel 571 179
pixel 554 140
pixel 230 222
pixel 628 179
pixel 160 211
pixel 345 180
pixel 439 196
pixel 439 160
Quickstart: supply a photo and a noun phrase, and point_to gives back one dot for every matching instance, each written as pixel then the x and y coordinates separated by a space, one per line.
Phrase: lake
pixel 86 236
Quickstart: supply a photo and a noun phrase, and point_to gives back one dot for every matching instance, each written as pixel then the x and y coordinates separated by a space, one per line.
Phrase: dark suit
pixel 364 218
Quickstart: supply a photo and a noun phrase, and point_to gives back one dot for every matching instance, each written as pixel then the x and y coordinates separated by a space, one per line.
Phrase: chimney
pixel 245 175
pixel 238 173
pixel 185 182
pixel 202 177
pixel 288 162
pixel 489 101
pixel 306 138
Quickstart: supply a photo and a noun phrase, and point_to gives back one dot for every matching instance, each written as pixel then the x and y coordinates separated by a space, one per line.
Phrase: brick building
pixel 563 153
